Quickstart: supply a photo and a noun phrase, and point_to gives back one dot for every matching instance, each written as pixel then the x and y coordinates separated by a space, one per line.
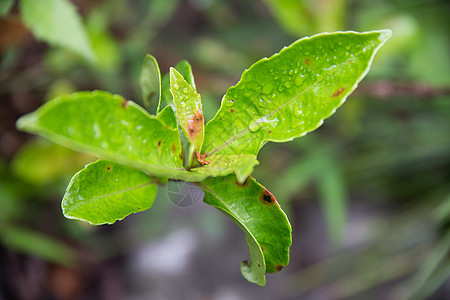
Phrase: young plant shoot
pixel 277 99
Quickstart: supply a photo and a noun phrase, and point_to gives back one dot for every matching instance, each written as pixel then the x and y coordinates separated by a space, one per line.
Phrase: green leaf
pixel 104 192
pixel 222 165
pixel 150 81
pixel 167 116
pixel 188 109
pixel 184 68
pixel 110 127
pixel 5 7
pixel 58 23
pixel 42 162
pixel 291 93
pixel 256 211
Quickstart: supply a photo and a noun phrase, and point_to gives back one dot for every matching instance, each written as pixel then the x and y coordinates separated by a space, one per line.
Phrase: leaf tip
pixel 26 122
pixel 385 34
pixel 254 276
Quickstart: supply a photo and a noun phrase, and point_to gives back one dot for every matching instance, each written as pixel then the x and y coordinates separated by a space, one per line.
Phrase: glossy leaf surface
pixel 110 127
pixel 185 69
pixel 291 93
pixel 104 192
pixel 222 165
pixel 188 109
pixel 57 22
pixel 150 82
pixel 256 211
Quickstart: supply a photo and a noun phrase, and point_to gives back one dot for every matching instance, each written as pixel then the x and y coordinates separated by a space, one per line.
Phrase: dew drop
pixel 299 80
pixel 262 103
pixel 280 88
pixel 288 85
pixel 291 72
pixel 229 102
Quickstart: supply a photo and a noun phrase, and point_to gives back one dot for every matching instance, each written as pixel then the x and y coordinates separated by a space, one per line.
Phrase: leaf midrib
pixel 283 105
pixel 123 191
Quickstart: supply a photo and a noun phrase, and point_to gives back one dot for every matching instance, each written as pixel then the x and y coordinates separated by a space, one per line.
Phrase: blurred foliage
pixel 379 168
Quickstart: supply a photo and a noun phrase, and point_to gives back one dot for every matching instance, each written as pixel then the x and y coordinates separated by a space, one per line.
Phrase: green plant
pixel 277 99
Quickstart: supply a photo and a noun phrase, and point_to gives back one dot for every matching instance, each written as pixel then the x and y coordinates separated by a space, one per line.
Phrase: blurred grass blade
pixel 420 287
pixel 36 244
pixel 332 194
pixel 296 177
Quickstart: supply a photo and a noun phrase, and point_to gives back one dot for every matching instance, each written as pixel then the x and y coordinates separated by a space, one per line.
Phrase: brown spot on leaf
pixel 232 110
pixel 267 197
pixel 159 143
pixel 307 61
pixel 220 118
pixel 174 148
pixel 279 267
pixel 138 208
pixel 124 104
pixel 262 248
pixel 338 92
pixel 270 131
pixel 195 123
pixel 108 168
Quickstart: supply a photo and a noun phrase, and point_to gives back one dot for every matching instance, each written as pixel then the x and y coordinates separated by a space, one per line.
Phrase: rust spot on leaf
pixel 138 208
pixel 195 123
pixel 220 118
pixel 262 248
pixel 124 104
pixel 338 92
pixel 232 110
pixel 270 131
pixel 174 148
pixel 279 267
pixel 307 61
pixel 267 197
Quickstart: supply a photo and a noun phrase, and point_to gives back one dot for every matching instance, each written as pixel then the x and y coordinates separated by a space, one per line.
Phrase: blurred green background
pixel 368 193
